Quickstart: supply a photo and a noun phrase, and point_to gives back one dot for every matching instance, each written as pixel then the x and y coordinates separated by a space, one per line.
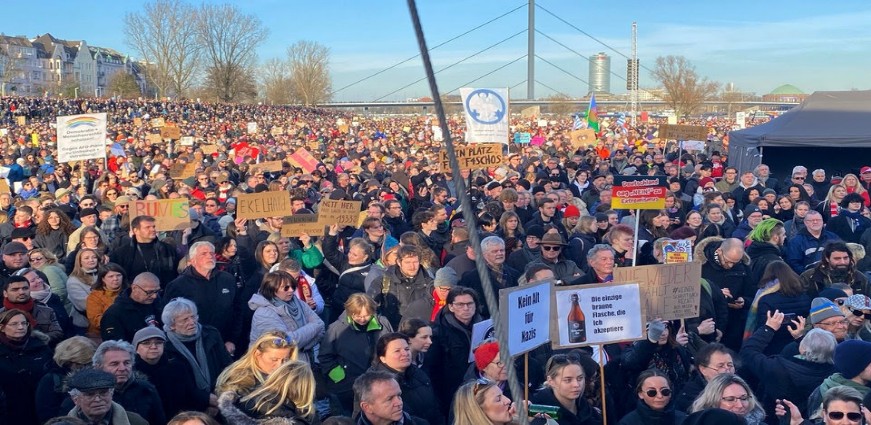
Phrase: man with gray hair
pixel 214 293
pixel 501 275
pixel 601 260
pixel 92 392
pixel 788 377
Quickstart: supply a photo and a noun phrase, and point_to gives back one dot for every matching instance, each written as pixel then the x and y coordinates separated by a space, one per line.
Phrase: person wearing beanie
pixel 531 251
pixel 752 218
pixel 489 365
pixel 445 279
pixel 825 315
pixel 853 365
pixel 850 224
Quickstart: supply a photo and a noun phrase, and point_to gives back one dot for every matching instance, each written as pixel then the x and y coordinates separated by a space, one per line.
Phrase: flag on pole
pixel 577 125
pixel 593 114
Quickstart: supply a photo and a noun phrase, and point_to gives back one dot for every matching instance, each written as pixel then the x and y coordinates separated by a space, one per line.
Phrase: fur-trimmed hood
pixel 707 246
pixel 235 415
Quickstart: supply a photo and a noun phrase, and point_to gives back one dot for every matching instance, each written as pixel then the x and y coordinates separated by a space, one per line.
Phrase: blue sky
pixel 755 45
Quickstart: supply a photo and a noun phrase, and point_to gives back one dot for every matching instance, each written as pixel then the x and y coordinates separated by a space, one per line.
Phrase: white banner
pixel 81 137
pixel 740 118
pixel 486 115
pixel 526 310
pixel 252 127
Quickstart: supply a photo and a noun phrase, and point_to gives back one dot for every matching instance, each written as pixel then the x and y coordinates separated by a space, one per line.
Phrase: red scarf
pixel 26 307
pixel 438 305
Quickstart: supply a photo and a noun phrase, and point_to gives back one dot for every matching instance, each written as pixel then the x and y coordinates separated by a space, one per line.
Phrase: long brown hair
pixel 65 225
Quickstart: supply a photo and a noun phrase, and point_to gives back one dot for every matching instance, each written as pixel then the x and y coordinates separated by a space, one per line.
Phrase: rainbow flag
pixel 593 114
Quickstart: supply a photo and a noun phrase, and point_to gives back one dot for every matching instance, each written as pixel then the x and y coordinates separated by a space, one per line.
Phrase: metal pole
pixel 530 56
pixel 633 94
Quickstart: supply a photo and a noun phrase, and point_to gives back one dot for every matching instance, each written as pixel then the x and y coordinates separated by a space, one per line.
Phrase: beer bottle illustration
pixel 577 323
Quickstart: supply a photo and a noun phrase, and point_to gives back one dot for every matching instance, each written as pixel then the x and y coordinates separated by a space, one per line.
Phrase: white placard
pixel 740 118
pixel 252 127
pixel 486 115
pixel 612 313
pixel 526 310
pixel 692 145
pixel 481 331
pixel 186 141
pixel 81 137
pixel 542 123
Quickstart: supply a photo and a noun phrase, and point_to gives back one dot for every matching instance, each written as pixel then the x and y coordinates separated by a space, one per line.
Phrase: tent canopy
pixel 839 119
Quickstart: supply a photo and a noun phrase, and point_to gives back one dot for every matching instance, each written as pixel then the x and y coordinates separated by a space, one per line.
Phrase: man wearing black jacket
pixel 134 309
pixel 145 253
pixel 213 292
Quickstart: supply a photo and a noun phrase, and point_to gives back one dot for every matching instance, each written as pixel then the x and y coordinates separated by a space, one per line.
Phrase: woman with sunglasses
pixel 664 350
pixel 728 391
pixel 263 357
pixel 393 355
pixel 842 405
pixel 481 402
pixel 276 307
pixel 857 308
pixel 43 260
pixel 655 405
pixel 565 388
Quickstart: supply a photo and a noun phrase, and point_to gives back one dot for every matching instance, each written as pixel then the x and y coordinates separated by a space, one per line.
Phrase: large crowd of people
pixel 106 320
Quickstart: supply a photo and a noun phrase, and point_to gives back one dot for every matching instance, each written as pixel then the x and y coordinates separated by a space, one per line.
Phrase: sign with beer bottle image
pixel 596 314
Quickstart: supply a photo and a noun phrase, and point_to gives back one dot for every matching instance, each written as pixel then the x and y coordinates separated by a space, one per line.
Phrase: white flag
pixel 486 115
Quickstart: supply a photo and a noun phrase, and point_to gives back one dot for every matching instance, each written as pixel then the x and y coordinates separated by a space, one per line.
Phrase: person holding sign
pixel 564 389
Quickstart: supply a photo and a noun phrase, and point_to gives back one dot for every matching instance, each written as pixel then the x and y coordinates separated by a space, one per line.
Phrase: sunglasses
pixel 859 313
pixel 481 384
pixel 551 248
pixel 652 392
pixel 851 416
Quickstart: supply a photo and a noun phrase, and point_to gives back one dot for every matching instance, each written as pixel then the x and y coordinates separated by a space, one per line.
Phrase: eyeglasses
pixel 551 248
pixel 481 384
pixel 464 305
pixel 153 343
pixel 652 392
pixel 93 395
pixel 798 178
pixel 731 399
pixel 842 322
pixel 147 293
pixel 722 368
pixel 851 416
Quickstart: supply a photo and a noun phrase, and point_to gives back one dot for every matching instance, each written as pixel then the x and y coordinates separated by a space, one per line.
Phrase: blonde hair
pixel 468 401
pixel 49 256
pixel 80 273
pixel 293 381
pixel 243 375
pixel 713 392
pixel 357 302
pixel 75 351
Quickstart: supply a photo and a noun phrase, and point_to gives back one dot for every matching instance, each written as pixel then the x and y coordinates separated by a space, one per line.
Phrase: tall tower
pixel 600 73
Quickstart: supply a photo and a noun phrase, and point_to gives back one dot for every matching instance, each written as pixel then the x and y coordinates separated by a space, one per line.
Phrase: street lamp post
pixel 76 92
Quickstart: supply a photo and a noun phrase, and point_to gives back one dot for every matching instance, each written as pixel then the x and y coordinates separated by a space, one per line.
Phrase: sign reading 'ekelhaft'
pixel 262 205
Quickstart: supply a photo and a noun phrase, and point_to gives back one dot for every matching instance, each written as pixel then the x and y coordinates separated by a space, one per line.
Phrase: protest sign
pixel 677 251
pixel 4 186
pixel 638 193
pixel 596 314
pixel 295 225
pixel 252 127
pixel 209 149
pixel 522 137
pixel 81 137
pixel 542 123
pixel 669 291
pixel 181 170
pixel 169 214
pixel 21 120
pixel 276 131
pixel 301 158
pixel 741 119
pixel 268 166
pixel 437 134
pixel 186 141
pixel 153 138
pixel 692 145
pixel 582 138
pixel 343 213
pixel 137 121
pixel 683 132
pixel 486 115
pixel 158 122
pixel 343 128
pixel 526 310
pixel 481 332
pixel 475 156
pixel 173 133
pixel 264 204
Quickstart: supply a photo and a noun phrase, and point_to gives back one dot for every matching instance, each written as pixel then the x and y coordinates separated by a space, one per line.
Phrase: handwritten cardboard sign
pixel 474 156
pixel 343 213
pixel 209 149
pixel 669 291
pixel 173 133
pixel 301 158
pixel 21 120
pixel 276 131
pixel 169 214
pixel 298 224
pixel 4 186
pixel 683 132
pixel 153 138
pixel 583 138
pixel 183 170
pixel 137 121
pixel 158 122
pixel 264 204
pixel 268 166
pixel 186 141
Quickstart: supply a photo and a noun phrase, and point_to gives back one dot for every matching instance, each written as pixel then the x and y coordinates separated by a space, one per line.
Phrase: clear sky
pixel 755 45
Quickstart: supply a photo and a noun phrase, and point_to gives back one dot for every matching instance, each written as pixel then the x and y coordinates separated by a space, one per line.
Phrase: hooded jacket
pixel 268 316
pixel 585 416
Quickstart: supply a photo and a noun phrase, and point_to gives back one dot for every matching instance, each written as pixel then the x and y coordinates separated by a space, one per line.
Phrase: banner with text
pixel 638 193
pixel 343 213
pixel 596 314
pixel 81 137
pixel 297 224
pixel 169 214
pixel 670 291
pixel 262 205
pixel 486 115
pixel 683 132
pixel 526 310
pixel 474 156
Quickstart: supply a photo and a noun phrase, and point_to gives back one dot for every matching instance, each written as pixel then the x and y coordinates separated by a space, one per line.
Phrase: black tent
pixel 829 130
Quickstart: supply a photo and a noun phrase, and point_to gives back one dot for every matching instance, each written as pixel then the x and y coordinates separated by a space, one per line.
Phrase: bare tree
pixel 309 64
pixel 685 90
pixel 10 67
pixel 562 104
pixel 242 90
pixel 163 35
pixel 275 82
pixel 124 85
pixel 229 39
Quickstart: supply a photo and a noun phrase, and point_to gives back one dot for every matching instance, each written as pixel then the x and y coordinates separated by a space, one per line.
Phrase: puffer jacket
pixel 346 350
pixel 268 316
pixel 448 358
